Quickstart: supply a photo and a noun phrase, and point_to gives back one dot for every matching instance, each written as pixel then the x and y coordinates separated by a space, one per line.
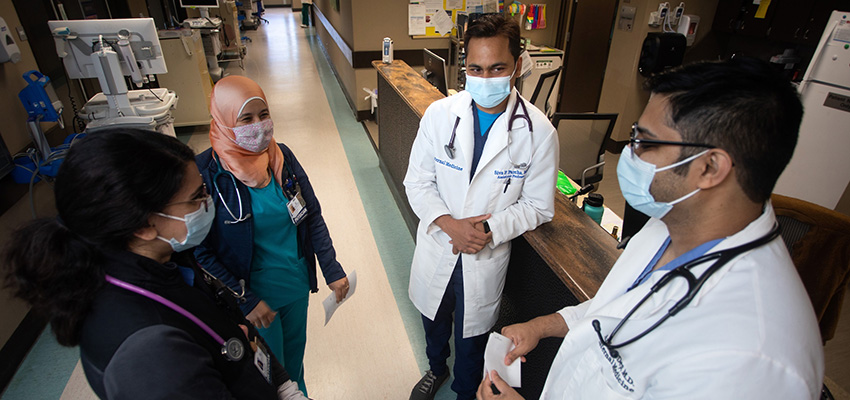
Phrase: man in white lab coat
pixel 482 171
pixel 702 162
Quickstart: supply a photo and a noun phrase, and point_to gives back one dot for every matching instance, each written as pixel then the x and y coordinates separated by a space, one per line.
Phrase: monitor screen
pixel 76 40
pixel 199 3
pixel 435 71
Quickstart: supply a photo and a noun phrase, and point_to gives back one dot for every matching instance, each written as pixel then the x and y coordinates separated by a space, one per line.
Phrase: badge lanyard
pixel 296 206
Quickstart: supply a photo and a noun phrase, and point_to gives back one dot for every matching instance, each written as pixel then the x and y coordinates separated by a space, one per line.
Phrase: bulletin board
pixel 437 18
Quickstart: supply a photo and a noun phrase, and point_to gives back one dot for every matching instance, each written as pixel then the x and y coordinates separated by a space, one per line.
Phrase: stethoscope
pixel 290 187
pixel 450 147
pixel 221 171
pixel 694 285
pixel 232 349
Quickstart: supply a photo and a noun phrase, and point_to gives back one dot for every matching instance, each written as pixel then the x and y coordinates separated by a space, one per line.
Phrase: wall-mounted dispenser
pixel 8 49
pixel 661 50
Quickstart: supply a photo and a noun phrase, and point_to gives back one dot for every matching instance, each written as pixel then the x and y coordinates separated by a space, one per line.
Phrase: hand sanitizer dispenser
pixel 387 51
pixel 8 49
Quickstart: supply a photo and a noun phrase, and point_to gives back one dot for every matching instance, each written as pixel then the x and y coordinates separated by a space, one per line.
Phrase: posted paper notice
pixel 443 22
pixel 416 22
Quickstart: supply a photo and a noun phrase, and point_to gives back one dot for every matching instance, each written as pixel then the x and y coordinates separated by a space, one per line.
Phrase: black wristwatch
pixel 486 227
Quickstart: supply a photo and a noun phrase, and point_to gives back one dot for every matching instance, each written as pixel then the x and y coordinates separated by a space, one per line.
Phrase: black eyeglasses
pixel 204 197
pixel 636 143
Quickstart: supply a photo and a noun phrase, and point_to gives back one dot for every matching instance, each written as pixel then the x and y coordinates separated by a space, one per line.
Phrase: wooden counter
pixel 414 90
pixel 577 249
pixel 403 97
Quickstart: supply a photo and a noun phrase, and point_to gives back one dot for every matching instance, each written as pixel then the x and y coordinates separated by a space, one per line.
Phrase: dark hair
pixel 742 106
pixel 491 25
pixel 107 187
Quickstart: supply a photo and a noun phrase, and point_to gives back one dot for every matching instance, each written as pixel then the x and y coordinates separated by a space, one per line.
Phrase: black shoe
pixel 428 385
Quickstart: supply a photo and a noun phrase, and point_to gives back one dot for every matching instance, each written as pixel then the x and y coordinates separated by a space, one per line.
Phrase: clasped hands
pixel 467 234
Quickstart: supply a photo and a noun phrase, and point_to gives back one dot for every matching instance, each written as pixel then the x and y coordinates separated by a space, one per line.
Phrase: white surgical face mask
pixel 489 92
pixel 254 137
pixel 198 224
pixel 635 177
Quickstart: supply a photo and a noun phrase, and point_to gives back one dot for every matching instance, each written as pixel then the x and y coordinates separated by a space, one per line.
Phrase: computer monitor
pixel 435 71
pixel 77 40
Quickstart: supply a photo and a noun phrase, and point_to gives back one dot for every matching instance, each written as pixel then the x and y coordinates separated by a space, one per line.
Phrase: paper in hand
pixel 498 347
pixel 330 302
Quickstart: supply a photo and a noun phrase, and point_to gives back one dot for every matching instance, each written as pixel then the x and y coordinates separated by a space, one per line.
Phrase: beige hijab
pixel 228 98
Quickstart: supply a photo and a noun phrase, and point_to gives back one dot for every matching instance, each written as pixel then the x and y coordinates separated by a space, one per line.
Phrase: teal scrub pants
pixel 287 338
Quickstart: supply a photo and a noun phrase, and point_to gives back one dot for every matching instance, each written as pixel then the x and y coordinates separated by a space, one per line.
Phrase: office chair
pixel 543 90
pixel 819 242
pixel 582 140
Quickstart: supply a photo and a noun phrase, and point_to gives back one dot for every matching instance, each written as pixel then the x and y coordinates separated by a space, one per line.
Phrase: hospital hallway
pixel 373 348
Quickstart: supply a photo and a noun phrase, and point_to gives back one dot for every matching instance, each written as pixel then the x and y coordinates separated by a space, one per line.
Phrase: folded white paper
pixel 498 347
pixel 330 302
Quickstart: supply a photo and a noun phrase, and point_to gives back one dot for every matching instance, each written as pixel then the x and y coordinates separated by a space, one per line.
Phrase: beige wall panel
pixel 622 91
pixel 342 20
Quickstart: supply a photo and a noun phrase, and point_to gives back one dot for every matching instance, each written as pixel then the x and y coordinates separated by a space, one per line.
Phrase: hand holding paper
pixel 330 303
pixel 498 347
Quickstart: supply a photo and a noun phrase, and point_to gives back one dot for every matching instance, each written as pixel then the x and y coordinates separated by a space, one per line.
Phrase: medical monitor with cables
pixel 133 39
pixel 435 71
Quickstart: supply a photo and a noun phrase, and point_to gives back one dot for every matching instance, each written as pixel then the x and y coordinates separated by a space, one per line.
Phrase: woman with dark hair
pixel 109 274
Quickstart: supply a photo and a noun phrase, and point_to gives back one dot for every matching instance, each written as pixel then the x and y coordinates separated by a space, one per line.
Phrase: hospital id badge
pixel 262 360
pixel 297 208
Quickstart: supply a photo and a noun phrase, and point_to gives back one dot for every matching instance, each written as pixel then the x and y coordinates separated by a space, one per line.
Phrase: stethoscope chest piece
pixel 233 349
pixel 450 151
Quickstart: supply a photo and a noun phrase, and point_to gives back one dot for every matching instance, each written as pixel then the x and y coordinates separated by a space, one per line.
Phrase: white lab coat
pixel 438 185
pixel 750 333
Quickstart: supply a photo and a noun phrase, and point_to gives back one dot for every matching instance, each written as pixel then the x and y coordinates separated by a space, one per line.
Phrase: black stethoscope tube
pixel 694 285
pixel 450 147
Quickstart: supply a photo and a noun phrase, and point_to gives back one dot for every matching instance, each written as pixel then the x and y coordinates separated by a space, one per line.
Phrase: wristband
pixel 486 227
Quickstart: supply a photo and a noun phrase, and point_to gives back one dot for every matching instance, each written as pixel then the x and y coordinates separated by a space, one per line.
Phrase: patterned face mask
pixel 254 137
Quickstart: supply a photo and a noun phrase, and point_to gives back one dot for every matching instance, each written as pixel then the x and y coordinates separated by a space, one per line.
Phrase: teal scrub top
pixel 278 270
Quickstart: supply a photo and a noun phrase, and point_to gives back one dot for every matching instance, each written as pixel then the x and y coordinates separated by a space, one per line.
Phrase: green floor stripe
pixel 45 371
pixel 392 237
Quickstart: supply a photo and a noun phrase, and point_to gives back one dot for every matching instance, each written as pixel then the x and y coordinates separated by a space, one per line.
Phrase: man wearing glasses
pixel 482 171
pixel 704 303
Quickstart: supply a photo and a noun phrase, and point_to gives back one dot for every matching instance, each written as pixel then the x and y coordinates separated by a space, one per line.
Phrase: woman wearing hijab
pixel 268 231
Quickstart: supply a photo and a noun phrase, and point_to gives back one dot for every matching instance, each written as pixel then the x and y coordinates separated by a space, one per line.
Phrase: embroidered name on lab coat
pixel 448 164
pixel 509 173
pixel 619 370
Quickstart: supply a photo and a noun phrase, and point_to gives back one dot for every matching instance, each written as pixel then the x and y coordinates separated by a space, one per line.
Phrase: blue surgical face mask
pixel 198 224
pixel 635 176
pixel 489 92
